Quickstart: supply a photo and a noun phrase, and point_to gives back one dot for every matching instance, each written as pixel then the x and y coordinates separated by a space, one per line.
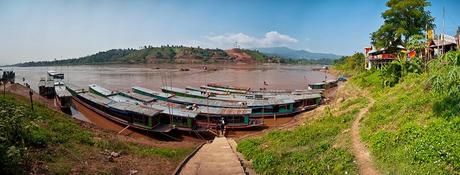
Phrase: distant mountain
pixel 163 54
pixel 296 54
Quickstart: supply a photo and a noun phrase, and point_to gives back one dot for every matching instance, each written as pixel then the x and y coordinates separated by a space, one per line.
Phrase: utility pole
pixel 443 25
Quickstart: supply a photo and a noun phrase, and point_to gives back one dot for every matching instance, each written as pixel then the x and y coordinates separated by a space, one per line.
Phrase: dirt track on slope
pixel 361 153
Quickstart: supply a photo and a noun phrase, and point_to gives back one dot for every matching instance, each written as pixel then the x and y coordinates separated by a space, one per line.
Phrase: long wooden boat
pixel 63 97
pixel 127 114
pixel 324 85
pixel 96 89
pixel 280 105
pixel 207 91
pixel 55 75
pixel 183 92
pixel 232 91
pixel 228 87
pixel 188 117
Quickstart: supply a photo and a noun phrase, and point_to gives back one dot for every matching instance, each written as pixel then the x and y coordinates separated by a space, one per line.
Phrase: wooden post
pixel 31 101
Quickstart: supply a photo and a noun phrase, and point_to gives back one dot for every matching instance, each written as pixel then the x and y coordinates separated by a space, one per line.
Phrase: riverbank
pixel 409 126
pixel 319 143
pixel 54 143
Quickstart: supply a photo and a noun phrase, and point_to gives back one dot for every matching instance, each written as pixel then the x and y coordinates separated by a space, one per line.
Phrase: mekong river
pixel 116 77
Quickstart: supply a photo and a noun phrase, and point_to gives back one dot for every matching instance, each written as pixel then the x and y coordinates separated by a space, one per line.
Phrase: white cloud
pixel 270 39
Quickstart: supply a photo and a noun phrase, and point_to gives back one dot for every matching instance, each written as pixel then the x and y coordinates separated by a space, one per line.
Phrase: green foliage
pixel 445 82
pixel 354 63
pixel 22 130
pixel 403 19
pixel 56 140
pixel 405 134
pixel 416 43
pixel 308 149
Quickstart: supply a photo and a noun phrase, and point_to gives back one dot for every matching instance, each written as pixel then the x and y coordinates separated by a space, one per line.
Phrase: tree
pixel 403 19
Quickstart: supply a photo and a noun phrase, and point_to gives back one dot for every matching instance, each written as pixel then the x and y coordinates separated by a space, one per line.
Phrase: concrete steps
pixel 216 158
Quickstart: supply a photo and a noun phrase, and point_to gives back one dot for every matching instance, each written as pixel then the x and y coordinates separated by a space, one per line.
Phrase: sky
pixel 59 29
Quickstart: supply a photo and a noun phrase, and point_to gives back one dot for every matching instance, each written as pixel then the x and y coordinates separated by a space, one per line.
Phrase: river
pixel 115 77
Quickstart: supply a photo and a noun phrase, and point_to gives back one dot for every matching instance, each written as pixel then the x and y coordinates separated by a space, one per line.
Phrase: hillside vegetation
pixel 413 127
pixel 43 141
pixel 163 54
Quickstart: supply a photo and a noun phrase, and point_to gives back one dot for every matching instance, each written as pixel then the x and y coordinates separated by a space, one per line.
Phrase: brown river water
pixel 114 77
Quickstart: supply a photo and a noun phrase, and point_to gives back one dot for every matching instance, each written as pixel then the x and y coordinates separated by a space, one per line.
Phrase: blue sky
pixel 47 29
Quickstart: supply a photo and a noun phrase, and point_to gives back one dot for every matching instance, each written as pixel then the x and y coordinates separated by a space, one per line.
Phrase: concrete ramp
pixel 215 158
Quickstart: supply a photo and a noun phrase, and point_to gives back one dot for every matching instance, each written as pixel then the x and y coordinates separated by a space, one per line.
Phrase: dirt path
pixel 363 157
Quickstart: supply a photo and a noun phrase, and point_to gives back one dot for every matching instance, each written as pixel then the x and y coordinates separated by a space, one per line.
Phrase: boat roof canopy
pixel 135 108
pixel 101 90
pixel 152 92
pixel 95 98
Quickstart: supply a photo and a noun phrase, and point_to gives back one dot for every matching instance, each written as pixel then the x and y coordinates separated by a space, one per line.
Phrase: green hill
pixel 163 54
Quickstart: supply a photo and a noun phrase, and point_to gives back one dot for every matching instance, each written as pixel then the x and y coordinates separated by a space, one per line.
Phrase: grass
pixel 52 143
pixel 406 136
pixel 321 146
